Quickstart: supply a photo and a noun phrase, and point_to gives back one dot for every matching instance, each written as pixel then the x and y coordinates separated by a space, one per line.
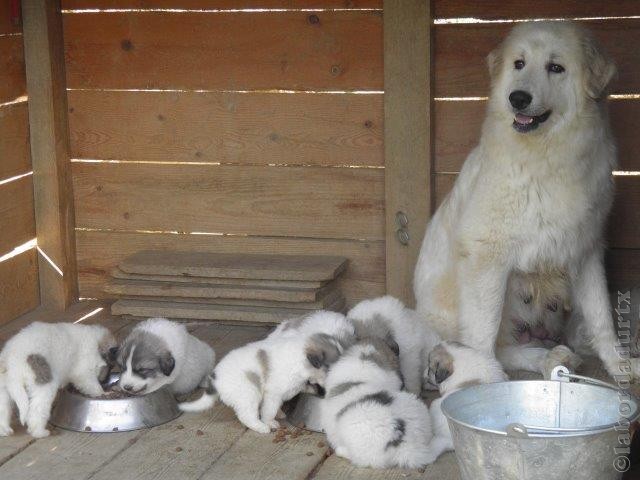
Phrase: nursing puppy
pixel 367 417
pixel 533 196
pixel 414 337
pixel 452 367
pixel 159 352
pixel 256 379
pixel 44 357
pixel 535 320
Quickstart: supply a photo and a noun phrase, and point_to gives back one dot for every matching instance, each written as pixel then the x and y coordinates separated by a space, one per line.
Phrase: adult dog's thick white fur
pixel 44 357
pixel 368 419
pixel 160 352
pixel 453 366
pixel 414 337
pixel 529 201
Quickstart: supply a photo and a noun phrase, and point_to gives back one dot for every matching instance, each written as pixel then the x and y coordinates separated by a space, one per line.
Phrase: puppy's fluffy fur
pixel 529 199
pixel 159 352
pixel 368 419
pixel 535 321
pixel 321 321
pixel 43 358
pixel 257 378
pixel 409 329
pixel 453 366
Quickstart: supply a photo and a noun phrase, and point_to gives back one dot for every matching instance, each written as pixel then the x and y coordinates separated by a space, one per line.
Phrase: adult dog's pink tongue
pixel 523 119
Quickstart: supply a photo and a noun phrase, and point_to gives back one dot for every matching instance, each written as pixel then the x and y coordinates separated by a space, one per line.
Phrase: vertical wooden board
pixel 18 285
pixel 12 80
pixel 7 25
pixel 407 140
pixel 623 267
pixel 521 9
pixel 67 454
pixel 16 214
pixel 234 51
pixel 44 56
pixel 256 456
pixel 99 252
pixel 274 201
pixel 223 4
pixel 14 140
pixel 625 123
pixel 232 127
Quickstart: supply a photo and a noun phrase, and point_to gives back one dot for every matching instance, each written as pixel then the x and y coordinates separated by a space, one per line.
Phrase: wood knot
pixel 126 45
pixel 368 124
pixel 336 70
pixel 313 19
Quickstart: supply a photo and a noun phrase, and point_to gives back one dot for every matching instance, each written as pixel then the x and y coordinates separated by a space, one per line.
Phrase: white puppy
pixel 257 378
pixel 44 357
pixel 533 196
pixel 321 321
pixel 368 419
pixel 452 367
pixel 159 352
pixel 409 329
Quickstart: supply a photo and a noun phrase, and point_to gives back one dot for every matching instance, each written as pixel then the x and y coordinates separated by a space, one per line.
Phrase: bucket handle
pixel 560 374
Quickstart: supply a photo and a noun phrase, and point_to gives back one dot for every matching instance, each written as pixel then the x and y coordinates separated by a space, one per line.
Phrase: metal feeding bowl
pixel 115 411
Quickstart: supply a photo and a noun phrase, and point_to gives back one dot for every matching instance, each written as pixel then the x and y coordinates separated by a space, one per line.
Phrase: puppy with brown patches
pixel 452 367
pixel 160 352
pixel 256 379
pixel 367 417
pixel 44 357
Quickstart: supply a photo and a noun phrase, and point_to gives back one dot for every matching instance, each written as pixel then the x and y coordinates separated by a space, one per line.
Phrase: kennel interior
pixel 268 126
pixel 257 126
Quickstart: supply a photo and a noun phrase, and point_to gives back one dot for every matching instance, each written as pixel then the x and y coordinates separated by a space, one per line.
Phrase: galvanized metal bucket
pixel 541 430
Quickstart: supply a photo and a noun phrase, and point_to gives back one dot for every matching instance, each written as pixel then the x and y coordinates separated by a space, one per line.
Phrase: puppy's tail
pixel 208 398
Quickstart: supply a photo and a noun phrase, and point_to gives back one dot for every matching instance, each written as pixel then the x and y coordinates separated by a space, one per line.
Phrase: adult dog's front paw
pixel 560 355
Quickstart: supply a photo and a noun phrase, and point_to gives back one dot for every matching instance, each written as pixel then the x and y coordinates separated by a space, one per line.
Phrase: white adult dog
pixel 533 196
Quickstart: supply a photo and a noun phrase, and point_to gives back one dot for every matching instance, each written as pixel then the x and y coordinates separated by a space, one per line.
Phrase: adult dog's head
pixel 544 74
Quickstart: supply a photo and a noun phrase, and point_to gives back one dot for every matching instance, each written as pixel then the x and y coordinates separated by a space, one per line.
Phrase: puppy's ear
pixel 112 355
pixel 167 363
pixel 599 69
pixel 316 358
pixel 322 350
pixel 442 373
pixel 392 344
pixel 494 61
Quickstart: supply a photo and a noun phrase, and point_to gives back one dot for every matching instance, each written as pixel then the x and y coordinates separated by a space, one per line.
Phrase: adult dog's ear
pixel 599 69
pixel 494 61
pixel 167 363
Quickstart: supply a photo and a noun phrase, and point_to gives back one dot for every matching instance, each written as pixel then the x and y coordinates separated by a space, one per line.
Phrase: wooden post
pixel 49 133
pixel 407 138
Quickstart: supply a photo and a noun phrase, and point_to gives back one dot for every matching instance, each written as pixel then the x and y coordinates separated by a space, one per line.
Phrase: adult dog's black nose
pixel 520 99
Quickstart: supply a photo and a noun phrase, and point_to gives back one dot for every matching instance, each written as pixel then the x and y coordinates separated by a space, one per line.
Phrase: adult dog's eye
pixel 555 68
pixel 518 64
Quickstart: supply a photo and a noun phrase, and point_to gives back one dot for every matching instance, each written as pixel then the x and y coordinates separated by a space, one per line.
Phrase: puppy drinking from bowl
pixel 44 357
pixel 256 379
pixel 160 352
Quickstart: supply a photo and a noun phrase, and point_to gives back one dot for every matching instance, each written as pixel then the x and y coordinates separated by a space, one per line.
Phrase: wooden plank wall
pixel 461 75
pixel 213 128
pixel 19 273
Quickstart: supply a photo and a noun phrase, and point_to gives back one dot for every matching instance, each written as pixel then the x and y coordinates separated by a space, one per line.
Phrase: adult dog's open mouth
pixel 525 123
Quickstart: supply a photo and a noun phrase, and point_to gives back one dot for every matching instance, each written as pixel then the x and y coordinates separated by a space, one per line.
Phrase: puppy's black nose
pixel 128 388
pixel 520 99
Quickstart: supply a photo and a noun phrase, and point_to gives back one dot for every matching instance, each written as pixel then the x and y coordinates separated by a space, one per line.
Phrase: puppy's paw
pixel 342 452
pixel 560 355
pixel 39 433
pixel 274 424
pixel 260 427
pixel 92 390
pixel 5 430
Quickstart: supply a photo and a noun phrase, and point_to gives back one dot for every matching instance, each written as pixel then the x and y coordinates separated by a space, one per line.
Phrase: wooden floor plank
pixel 257 456
pixel 67 455
pixel 182 449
